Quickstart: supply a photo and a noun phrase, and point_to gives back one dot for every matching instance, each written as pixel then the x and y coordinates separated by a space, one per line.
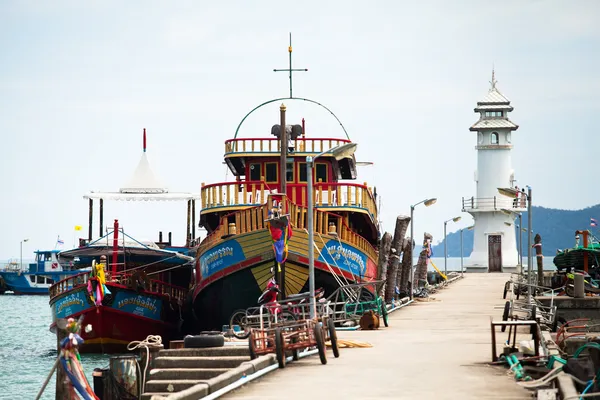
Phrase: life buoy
pixel 54 265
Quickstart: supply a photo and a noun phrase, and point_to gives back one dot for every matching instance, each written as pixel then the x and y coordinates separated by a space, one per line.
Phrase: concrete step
pixel 186 373
pixel 199 362
pixel 170 386
pixel 225 351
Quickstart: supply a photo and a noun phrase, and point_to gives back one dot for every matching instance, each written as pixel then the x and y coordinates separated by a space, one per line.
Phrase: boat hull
pixel 234 272
pixel 21 283
pixel 124 316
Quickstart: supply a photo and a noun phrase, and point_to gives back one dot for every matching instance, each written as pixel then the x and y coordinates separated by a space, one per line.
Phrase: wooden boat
pixel 144 292
pixel 145 283
pixel 243 245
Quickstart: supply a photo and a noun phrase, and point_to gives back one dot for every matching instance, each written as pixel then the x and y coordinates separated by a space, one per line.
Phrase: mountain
pixel 557 228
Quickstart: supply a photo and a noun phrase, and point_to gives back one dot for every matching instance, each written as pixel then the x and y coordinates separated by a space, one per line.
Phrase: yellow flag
pixel 77 227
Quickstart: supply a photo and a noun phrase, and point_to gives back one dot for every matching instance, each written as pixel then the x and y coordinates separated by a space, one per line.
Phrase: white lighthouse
pixel 494 247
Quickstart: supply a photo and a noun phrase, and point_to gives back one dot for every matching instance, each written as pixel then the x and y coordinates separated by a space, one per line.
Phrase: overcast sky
pixel 80 80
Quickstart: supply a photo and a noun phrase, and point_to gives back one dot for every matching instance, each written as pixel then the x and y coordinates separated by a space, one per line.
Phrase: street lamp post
pixel 462 269
pixel 339 152
pixel 455 219
pixel 427 203
pixel 21 259
pixel 510 192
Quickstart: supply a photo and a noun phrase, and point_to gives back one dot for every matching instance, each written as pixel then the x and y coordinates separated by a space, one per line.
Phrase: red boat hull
pixel 124 316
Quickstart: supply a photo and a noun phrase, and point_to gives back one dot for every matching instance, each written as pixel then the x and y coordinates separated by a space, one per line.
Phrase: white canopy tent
pixel 144 186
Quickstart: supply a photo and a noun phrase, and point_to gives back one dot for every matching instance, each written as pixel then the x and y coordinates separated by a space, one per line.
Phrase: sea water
pixel 28 348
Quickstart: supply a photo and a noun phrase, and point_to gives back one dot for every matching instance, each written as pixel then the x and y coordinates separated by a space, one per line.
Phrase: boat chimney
pixel 144 140
pixel 170 236
pixel 160 237
pixel 283 147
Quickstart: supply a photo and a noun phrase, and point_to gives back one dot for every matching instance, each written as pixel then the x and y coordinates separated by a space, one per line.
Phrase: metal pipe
pixel 462 270
pixel 283 150
pixel 521 240
pixel 412 246
pixel 311 239
pixel 445 250
pixel 101 217
pixel 529 255
pixel 91 219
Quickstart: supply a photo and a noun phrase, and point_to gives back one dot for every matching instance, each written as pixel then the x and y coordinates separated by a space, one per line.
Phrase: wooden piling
pixel 384 250
pixel 421 271
pixel 394 256
pixel 406 265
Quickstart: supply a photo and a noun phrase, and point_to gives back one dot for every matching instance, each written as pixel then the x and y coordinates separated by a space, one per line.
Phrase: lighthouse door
pixel 494 253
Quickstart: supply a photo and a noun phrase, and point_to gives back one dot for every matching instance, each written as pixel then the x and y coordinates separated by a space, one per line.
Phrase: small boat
pixel 140 292
pixel 259 223
pixel 38 276
pixel 583 256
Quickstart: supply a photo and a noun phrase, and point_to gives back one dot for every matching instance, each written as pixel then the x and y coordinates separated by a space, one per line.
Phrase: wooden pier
pixel 432 350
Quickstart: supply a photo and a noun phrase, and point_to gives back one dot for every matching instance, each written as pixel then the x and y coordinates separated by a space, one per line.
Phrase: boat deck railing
pixel 227 195
pixel 254 219
pixel 493 203
pixel 122 278
pixel 272 145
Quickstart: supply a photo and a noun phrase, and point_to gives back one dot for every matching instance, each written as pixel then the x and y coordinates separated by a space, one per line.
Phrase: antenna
pixel 290 69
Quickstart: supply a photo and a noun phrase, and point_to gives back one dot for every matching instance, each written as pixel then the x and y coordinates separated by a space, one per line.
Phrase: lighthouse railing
pixel 492 203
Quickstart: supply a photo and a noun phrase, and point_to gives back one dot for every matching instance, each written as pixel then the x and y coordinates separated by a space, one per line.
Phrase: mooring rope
pixel 151 340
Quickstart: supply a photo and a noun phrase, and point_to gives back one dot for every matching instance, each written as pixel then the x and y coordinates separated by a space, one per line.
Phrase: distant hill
pixel 557 228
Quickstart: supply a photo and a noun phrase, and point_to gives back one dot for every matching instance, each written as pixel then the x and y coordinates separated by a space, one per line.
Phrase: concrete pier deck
pixel 432 350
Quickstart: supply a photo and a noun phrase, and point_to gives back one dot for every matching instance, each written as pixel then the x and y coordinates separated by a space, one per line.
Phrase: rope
pixel 350 343
pixel 151 340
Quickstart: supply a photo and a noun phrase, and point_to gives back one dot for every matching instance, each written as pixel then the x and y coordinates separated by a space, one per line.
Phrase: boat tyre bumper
pixel 204 340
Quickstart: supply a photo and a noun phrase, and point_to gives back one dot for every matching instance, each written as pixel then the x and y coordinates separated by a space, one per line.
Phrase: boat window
pixel 40 279
pixel 302 172
pixel 321 172
pixel 494 138
pixel 255 172
pixel 32 278
pixel 289 171
pixel 271 172
pixel 50 281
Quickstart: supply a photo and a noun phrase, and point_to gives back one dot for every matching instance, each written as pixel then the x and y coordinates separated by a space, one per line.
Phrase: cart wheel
pixel 533 318
pixel 333 338
pixel 239 318
pixel 295 352
pixel 506 286
pixel 318 331
pixel 279 350
pixel 252 348
pixel 384 314
pixel 505 315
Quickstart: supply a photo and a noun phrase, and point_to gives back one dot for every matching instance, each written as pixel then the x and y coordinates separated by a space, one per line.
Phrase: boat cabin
pixel 255 163
pixel 46 261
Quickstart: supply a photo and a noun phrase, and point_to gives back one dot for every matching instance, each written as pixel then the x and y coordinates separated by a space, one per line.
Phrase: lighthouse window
pixel 494 114
pixel 494 138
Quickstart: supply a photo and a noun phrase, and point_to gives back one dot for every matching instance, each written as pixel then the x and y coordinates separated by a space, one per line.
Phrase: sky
pixel 80 80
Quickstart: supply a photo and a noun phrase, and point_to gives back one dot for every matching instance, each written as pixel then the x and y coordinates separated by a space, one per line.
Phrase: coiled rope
pixel 150 341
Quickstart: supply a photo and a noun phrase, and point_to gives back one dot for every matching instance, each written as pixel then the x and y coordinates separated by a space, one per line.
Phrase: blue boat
pixel 37 277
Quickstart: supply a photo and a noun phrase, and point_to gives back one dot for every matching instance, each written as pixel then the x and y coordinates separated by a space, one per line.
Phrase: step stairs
pixel 199 371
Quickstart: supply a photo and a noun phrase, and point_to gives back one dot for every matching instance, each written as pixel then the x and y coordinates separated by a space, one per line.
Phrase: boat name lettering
pixel 69 301
pixel 220 253
pixel 139 301
pixel 338 251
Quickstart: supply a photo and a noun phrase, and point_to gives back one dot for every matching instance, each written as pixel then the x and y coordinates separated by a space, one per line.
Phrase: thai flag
pixel 60 241
pixel 593 222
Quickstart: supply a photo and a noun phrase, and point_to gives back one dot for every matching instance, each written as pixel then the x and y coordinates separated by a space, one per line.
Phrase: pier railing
pixel 272 145
pixel 325 194
pixel 253 219
pixel 493 203
pixel 121 278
